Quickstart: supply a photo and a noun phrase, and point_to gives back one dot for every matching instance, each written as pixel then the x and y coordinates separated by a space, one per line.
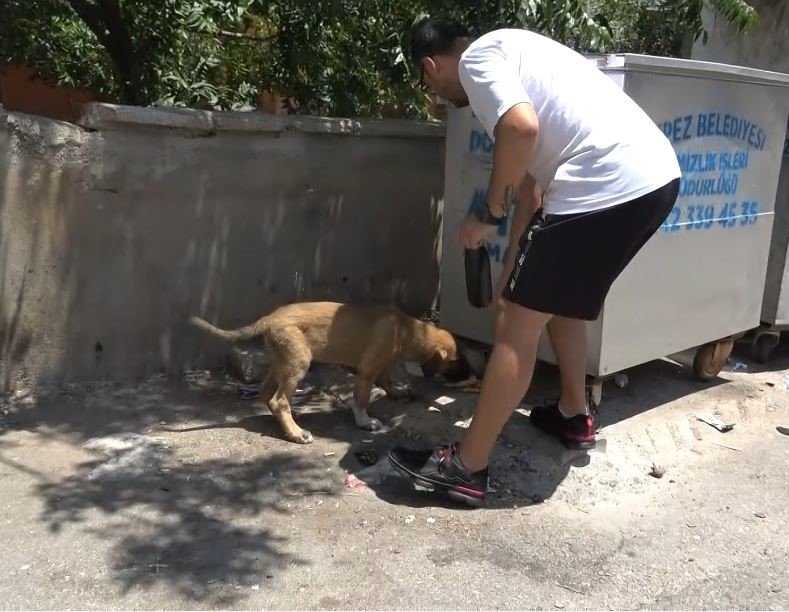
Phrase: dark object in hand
pixel 479 287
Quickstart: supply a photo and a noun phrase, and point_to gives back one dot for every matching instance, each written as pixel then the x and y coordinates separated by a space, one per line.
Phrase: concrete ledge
pixel 259 122
pixel 99 116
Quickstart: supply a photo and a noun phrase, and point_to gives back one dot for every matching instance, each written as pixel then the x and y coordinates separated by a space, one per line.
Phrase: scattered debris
pixel 760 515
pixel 657 471
pixel 248 393
pixel 444 400
pixel 464 424
pixel 370 476
pixel 786 382
pixel 739 366
pixel 197 376
pixel 569 588
pixel 431 520
pixel 715 422
pixel 734 448
pixel 367 457
pixel 24 568
pixel 126 455
pixel 367 441
pixel 329 454
pixel 691 525
pixel 352 483
pixel 621 380
pixel 409 519
pixel 782 430
pixel 300 395
pixel 255 587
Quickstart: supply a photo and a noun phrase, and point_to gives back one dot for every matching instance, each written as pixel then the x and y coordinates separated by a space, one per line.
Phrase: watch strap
pixel 483 214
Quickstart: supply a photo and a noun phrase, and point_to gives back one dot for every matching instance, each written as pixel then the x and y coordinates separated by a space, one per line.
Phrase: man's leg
pixel 507 378
pixel 568 338
pixel 568 419
pixel 461 472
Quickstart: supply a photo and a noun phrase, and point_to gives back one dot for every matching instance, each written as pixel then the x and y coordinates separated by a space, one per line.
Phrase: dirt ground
pixel 178 494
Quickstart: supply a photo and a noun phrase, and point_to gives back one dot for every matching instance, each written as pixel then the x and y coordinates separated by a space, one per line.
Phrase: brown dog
pixel 369 339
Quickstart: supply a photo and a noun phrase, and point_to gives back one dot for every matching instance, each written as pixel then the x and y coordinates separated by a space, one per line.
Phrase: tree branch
pixel 242 36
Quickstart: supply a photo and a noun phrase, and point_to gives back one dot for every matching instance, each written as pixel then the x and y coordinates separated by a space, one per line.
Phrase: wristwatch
pixel 483 214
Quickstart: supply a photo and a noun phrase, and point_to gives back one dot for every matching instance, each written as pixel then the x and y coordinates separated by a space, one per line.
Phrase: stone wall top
pixel 102 116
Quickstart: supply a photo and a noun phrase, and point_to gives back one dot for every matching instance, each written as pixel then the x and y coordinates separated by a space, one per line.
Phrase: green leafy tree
pixel 328 57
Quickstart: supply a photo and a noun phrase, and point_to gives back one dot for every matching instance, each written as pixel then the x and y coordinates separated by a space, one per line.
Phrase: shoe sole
pixel 568 444
pixel 424 484
pixel 572 445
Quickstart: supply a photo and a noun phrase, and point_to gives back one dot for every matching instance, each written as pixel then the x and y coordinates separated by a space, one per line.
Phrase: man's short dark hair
pixel 434 36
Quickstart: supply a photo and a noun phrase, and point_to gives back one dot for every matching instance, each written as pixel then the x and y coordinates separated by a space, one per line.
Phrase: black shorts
pixel 567 263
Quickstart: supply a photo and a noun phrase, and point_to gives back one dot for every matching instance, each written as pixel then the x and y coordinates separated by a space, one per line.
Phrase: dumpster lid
pixel 631 62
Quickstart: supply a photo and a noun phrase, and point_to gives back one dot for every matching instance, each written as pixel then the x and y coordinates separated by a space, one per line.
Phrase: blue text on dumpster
pixel 709 191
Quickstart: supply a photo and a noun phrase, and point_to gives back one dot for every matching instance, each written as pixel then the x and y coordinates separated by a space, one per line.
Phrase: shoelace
pixel 445 454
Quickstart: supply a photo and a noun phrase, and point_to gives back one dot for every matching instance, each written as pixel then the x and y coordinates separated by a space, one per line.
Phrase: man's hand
pixel 472 233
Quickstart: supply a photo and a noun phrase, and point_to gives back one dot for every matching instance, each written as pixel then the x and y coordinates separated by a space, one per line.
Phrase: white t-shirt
pixel 596 147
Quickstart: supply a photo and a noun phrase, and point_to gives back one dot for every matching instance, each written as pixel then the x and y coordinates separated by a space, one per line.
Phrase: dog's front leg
pixel 361 402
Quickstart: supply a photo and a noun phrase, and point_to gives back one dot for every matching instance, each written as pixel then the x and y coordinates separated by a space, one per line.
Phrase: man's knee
pixel 518 325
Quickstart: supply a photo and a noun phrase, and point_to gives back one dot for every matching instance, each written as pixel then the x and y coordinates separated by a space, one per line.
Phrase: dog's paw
pixel 369 424
pixel 303 437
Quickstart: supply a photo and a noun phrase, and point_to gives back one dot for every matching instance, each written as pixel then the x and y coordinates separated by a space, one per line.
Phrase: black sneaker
pixel 576 433
pixel 441 471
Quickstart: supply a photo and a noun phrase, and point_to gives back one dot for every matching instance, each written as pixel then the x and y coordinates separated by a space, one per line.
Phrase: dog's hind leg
pixel 291 360
pixel 268 387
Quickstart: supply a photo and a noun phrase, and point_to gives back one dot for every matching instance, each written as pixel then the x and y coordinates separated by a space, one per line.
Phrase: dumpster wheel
pixel 764 342
pixel 711 358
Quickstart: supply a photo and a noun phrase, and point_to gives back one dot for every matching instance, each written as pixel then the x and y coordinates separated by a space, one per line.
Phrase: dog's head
pixel 446 359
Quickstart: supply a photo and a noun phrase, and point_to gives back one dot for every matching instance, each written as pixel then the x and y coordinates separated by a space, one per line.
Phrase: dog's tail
pixel 247 332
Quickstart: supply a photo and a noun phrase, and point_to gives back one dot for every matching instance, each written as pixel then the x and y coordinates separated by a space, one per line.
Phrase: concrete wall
pixel 114 231
pixel 766 46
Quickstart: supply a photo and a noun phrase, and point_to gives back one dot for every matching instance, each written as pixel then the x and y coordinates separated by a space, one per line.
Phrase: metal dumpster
pixel 698 283
pixel 775 307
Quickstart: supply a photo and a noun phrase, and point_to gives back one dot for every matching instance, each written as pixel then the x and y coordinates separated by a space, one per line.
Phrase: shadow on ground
pixel 181 495
pixel 172 515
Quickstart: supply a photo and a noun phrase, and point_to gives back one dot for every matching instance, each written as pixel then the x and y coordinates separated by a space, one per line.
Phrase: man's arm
pixel 527 201
pixel 516 138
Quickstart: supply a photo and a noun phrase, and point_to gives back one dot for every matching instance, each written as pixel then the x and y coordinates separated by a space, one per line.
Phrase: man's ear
pixel 429 66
